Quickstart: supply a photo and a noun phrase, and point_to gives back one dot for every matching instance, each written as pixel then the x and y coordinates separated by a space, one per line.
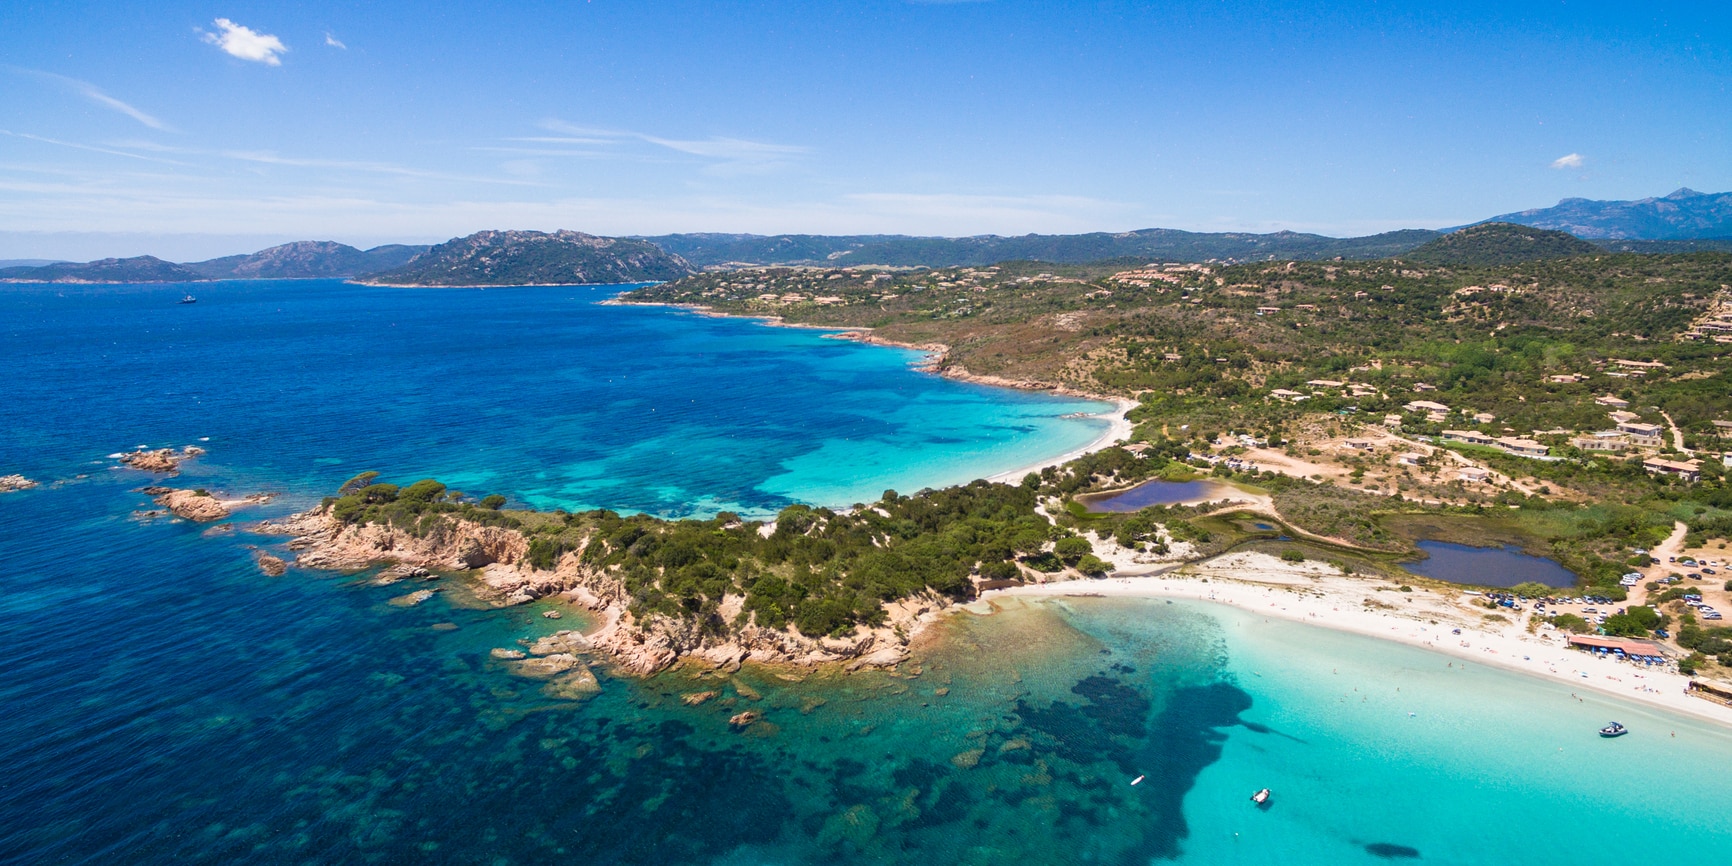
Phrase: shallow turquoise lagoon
pixel 166 703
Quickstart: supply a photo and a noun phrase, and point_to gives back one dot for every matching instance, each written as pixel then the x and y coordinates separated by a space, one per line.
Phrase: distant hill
pixel 1492 244
pixel 27 263
pixel 517 258
pixel 1698 245
pixel 307 259
pixel 1685 214
pixel 140 269
pixel 705 250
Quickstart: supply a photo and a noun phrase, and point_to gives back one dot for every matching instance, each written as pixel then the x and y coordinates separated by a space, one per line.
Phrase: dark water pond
pixel 1157 493
pixel 1487 566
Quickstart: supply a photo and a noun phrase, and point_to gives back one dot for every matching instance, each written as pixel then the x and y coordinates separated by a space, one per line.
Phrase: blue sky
pixel 195 129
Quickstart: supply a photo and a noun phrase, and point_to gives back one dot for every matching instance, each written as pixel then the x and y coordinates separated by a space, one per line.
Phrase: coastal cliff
pixel 635 641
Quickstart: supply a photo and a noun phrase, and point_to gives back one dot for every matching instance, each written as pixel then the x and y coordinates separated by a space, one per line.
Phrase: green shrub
pixel 423 491
pixel 1292 555
pixel 493 502
pixel 1691 664
pixel 1093 566
pixel 1071 550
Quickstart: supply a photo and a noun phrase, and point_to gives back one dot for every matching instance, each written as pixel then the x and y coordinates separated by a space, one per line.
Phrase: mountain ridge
pixel 1684 214
pixel 519 258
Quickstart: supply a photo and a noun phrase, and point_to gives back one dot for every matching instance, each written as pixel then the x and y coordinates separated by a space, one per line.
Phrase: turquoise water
pixel 1503 566
pixel 537 393
pixel 167 703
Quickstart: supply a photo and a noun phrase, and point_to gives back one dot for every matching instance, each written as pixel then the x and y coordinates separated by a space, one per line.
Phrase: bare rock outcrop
pixel 272 566
pixel 9 483
pixel 162 460
pixel 195 505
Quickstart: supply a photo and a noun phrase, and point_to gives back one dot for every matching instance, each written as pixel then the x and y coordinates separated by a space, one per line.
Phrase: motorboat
pixel 1613 730
pixel 1138 780
pixel 189 299
pixel 1260 797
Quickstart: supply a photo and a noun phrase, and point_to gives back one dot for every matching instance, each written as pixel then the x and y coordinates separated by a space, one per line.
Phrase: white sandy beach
pixel 1118 430
pixel 1316 593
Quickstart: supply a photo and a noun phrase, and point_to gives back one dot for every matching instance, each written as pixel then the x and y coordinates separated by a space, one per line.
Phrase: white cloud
pixel 334 42
pixel 94 94
pixel 1569 160
pixel 246 43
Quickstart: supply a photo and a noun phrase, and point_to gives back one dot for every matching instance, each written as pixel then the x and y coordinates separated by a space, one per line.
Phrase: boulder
pixel 544 666
pixel 575 685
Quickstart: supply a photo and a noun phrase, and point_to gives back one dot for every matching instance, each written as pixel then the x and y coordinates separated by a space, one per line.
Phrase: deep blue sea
pixel 165 702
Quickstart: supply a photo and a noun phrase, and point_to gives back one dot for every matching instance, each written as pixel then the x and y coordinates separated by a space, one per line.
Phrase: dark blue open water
pixel 167 703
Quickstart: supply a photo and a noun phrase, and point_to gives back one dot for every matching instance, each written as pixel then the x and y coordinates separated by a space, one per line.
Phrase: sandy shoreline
pixel 1316 594
pixel 1118 430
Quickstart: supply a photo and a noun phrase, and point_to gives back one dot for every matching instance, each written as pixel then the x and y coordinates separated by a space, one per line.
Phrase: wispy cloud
pixel 93 149
pixel 334 42
pixel 95 94
pixel 269 157
pixel 246 43
pixel 726 155
pixel 1569 160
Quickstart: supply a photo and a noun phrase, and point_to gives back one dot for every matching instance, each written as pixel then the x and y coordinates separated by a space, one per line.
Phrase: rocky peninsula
pixel 510 568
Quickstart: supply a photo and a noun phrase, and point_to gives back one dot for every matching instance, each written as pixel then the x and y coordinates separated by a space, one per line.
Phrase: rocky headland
pixel 498 558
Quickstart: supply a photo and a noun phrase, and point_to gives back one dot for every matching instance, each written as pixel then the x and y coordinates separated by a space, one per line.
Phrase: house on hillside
pixel 1289 396
pixel 1723 429
pixel 1471 437
pixel 1474 474
pixel 1521 447
pixel 1691 471
pixel 1644 435
pixel 1614 402
pixel 1410 458
pixel 1483 417
pixel 1605 441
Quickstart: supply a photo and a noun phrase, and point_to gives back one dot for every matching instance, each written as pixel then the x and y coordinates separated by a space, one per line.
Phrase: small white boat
pixel 1260 797
pixel 1138 780
pixel 189 299
pixel 1613 730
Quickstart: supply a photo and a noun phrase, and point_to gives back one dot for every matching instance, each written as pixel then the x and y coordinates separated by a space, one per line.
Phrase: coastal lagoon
pixel 1502 566
pixel 167 703
pixel 1157 492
